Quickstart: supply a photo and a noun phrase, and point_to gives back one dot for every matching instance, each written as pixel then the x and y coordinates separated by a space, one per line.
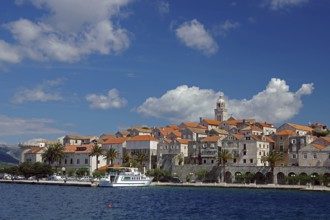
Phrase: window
pixel 161 147
pixel 294 156
pixel 78 161
pixel 86 161
pixel 65 161
pixel 251 160
pixel 212 161
pixel 204 161
pixel 281 147
pixel 234 160
pixel 244 160
pixel 314 155
pixel 244 146
pixel 302 141
pixel 305 156
pixel 293 141
pixel 71 161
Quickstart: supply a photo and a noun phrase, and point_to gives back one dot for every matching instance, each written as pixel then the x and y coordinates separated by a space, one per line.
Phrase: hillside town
pixel 247 140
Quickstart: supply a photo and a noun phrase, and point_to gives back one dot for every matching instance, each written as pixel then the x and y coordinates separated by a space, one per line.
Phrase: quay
pixel 198 184
pixel 52 182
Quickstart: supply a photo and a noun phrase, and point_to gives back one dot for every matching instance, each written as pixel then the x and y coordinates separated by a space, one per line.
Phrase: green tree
pixel 127 157
pixel 158 174
pixel 140 158
pixel 97 151
pixel 201 174
pixel 111 155
pixel 272 158
pixel 223 157
pixel 53 153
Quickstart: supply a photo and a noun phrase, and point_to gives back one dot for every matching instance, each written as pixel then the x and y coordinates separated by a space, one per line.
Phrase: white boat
pixel 124 176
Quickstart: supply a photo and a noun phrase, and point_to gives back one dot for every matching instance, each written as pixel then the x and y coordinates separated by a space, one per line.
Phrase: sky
pixel 86 67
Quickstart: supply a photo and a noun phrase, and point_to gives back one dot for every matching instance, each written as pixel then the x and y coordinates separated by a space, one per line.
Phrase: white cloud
pixel 275 104
pixel 225 28
pixel 163 7
pixel 67 32
pixel 193 34
pixel 280 4
pixel 19 126
pixel 39 93
pixel 111 100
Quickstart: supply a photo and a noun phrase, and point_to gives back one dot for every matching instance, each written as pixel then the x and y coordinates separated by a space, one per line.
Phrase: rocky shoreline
pixel 210 185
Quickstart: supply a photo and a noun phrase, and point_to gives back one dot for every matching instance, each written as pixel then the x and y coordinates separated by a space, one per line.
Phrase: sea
pixel 26 201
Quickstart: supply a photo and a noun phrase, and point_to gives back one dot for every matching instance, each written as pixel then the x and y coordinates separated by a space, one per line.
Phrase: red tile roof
pixel 142 138
pixel 115 140
pixel 211 139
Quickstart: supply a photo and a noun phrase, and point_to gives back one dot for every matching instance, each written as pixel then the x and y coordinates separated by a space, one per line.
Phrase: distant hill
pixel 7 154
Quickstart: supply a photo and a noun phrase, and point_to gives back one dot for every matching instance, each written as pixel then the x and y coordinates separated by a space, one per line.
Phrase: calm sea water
pixel 58 202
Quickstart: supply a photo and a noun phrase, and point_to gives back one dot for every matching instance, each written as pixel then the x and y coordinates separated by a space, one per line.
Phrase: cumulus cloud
pixel 66 32
pixel 274 104
pixel 194 35
pixel 111 100
pixel 280 4
pixel 41 93
pixel 19 126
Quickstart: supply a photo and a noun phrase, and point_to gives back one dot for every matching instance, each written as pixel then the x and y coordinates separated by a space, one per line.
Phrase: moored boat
pixel 123 177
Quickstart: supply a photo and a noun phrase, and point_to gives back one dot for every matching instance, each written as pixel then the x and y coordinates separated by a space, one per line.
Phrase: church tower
pixel 220 111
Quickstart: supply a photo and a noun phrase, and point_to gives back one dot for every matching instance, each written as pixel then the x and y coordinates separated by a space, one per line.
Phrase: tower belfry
pixel 220 112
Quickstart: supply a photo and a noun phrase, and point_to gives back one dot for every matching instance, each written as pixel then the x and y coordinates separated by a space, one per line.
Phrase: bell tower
pixel 220 111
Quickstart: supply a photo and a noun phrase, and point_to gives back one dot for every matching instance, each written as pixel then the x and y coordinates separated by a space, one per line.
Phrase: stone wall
pixel 190 170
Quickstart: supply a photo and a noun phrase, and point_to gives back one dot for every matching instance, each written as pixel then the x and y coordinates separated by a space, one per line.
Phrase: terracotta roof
pixel 211 139
pixel 174 127
pixel 177 133
pixel 78 149
pixel 190 124
pixel 220 131
pixel 198 130
pixel 286 132
pixel 115 140
pixel 211 122
pixel 301 127
pixel 142 129
pixel 124 133
pixel 34 150
pixel 142 138
pixel 318 146
pixel 326 139
pixel 265 124
pixel 183 141
pixel 238 136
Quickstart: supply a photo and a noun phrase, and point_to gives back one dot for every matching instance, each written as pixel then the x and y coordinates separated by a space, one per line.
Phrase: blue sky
pixel 106 66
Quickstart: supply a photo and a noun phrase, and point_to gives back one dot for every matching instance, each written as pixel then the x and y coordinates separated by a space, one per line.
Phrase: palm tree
pixel 223 157
pixel 53 153
pixel 110 155
pixel 58 152
pixel 127 157
pixel 272 158
pixel 48 154
pixel 140 157
pixel 97 151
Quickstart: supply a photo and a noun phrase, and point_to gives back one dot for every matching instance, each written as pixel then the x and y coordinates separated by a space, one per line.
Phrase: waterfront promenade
pixel 209 185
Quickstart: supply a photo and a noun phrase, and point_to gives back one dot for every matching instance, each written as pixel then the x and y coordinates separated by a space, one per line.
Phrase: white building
pixel 119 144
pixel 221 112
pixel 145 144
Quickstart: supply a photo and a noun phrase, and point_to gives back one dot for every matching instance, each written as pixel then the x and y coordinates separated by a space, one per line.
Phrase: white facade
pixel 221 112
pixel 143 144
